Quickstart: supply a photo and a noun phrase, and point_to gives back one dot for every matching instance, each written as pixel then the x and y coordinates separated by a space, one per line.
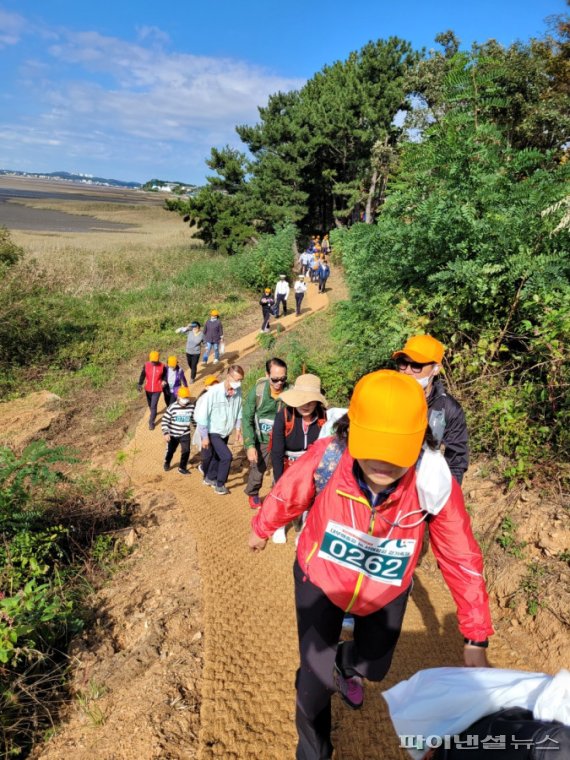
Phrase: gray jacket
pixel 194 341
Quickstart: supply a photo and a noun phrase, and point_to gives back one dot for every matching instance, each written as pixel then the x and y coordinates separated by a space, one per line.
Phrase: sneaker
pixel 350 688
pixel 151 425
pixel 208 482
pixel 279 537
pixel 254 502
pixel 183 471
pixel 221 490
pixel 166 466
pixel 201 470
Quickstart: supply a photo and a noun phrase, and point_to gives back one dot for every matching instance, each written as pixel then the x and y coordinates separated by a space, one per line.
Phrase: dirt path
pixel 250 647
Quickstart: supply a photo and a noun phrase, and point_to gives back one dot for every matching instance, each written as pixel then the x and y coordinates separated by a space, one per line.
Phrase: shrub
pixel 259 266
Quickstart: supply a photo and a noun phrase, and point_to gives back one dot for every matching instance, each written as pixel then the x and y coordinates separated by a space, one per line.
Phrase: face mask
pixel 213 319
pixel 424 381
pixel 183 401
pixel 235 385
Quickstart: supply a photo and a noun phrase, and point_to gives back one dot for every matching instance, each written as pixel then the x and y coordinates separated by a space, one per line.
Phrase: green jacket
pixel 259 412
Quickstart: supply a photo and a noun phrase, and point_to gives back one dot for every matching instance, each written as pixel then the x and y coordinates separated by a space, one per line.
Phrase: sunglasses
pixel 416 367
pixel 278 379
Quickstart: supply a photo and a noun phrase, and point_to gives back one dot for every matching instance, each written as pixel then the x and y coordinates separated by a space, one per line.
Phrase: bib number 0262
pixel 382 560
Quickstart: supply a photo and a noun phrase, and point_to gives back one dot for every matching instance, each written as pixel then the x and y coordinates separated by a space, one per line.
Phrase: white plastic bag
pixel 222 348
pixel 446 701
pixel 333 414
pixel 433 481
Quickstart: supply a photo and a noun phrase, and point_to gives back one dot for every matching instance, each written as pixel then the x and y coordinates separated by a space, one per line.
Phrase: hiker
pixel 176 428
pixel 326 246
pixel 421 359
pixel 153 378
pixel 213 336
pixel 307 260
pixel 175 378
pixel 259 410
pixel 324 272
pixel 281 294
pixel 267 304
pixel 297 425
pixel 315 266
pixel 300 290
pixel 193 344
pixel 360 545
pixel 209 382
pixel 218 412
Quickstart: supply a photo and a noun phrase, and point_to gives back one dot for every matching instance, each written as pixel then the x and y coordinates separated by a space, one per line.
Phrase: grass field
pixel 103 299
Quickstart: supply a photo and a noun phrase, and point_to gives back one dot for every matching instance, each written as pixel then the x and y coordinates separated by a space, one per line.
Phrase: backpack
pixel 433 480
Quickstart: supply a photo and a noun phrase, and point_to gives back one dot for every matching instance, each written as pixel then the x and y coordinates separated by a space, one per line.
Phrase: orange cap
pixel 388 418
pixel 214 313
pixel 172 361
pixel 210 380
pixel 183 392
pixel 422 349
pixel 154 356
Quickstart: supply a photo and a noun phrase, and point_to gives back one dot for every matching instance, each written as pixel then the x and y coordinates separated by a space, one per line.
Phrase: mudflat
pixel 18 196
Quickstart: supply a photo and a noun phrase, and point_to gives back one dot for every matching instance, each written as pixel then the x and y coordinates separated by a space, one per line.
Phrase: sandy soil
pixel 194 652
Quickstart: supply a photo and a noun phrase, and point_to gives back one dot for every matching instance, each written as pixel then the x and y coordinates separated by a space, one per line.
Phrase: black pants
pixel 322 284
pixel 298 300
pixel 280 300
pixel 369 654
pixel 169 396
pixel 193 360
pixel 184 443
pixel 518 737
pixel 266 318
pixel 217 460
pixel 152 401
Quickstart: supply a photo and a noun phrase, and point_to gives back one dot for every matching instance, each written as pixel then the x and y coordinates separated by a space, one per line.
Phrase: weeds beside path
pixel 150 645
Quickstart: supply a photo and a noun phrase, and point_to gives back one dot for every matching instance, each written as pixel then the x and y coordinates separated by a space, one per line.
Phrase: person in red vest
pixel 153 379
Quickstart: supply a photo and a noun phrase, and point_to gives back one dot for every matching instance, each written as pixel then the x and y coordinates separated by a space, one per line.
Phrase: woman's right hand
pixel 255 543
pixel 252 454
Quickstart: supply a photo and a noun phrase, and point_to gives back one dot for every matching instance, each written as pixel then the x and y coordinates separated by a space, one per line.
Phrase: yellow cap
pixel 183 392
pixel 172 361
pixel 388 418
pixel 154 356
pixel 214 313
pixel 210 380
pixel 422 349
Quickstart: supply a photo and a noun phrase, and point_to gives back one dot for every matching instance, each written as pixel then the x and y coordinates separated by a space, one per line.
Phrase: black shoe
pixel 151 426
pixel 166 466
pixel 183 471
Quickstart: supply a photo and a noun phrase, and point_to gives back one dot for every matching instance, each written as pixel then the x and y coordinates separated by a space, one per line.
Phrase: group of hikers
pixel 358 487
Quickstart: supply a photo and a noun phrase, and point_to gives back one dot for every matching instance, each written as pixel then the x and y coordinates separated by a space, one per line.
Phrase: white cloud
pixel 12 26
pixel 125 103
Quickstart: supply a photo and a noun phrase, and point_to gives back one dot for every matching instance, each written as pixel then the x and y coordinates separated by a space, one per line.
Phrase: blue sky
pixel 134 90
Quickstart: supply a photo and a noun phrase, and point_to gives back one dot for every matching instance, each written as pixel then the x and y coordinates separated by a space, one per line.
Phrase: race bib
pixel 380 559
pixel 265 425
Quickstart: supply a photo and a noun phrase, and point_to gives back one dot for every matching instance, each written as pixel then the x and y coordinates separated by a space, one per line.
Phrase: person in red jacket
pixel 360 545
pixel 153 379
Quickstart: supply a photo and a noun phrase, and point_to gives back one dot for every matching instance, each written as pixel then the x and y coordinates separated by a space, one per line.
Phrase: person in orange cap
pixel 153 380
pixel 360 546
pixel 421 358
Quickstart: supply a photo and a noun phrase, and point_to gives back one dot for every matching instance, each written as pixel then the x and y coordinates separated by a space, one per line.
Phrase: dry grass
pixel 80 263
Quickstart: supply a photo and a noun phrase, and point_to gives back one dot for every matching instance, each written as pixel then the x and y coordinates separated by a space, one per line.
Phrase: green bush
pixel 48 523
pixel 10 253
pixel 259 266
